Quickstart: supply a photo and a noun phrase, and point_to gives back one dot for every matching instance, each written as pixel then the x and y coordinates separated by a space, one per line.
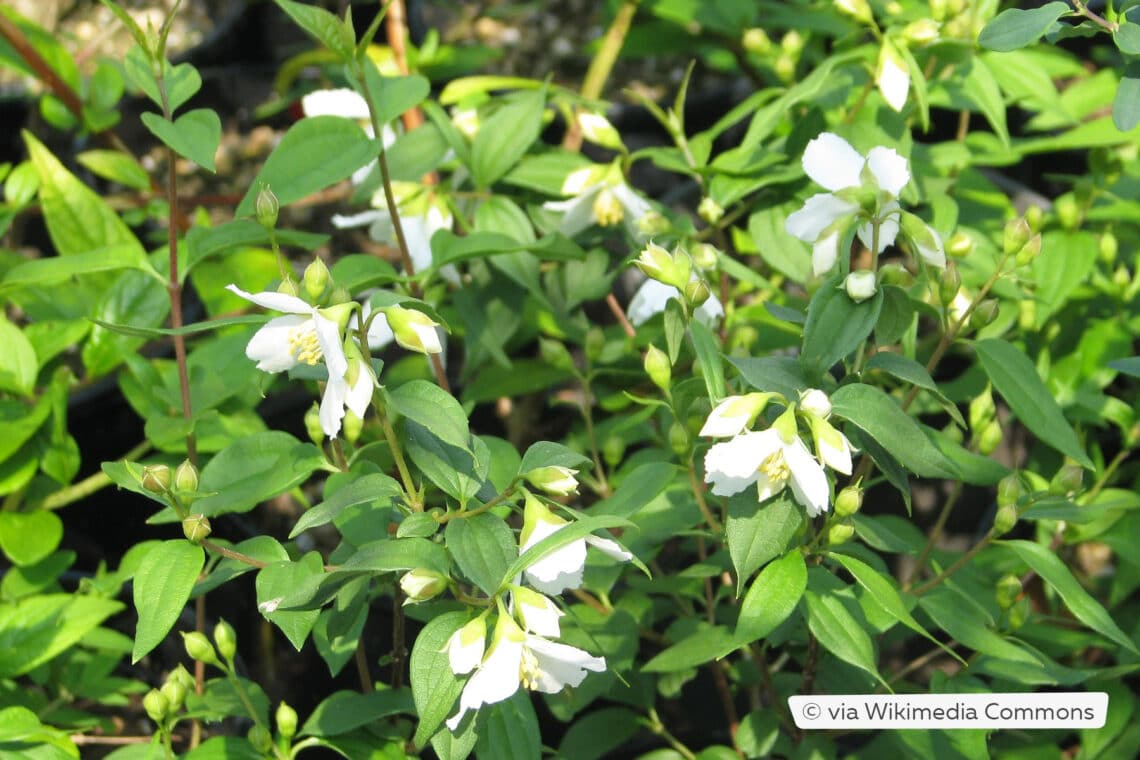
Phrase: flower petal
pixel 824 253
pixel 269 346
pixel 560 569
pixel 609 548
pixel 649 300
pixel 733 465
pixel 497 679
pixel 332 349
pixel 808 481
pixel 337 102
pixel 561 665
pixel 332 405
pixel 818 213
pixel 832 163
pixel 277 301
pixel 363 219
pixel 360 394
pixel 889 169
pixel 710 311
pixel 578 212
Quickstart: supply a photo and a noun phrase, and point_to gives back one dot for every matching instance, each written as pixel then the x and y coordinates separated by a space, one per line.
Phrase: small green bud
pixel 861 285
pixel 186 478
pixel 413 329
pixel 555 354
pixel 1007 590
pixel 981 410
pixel 259 737
pixel 669 268
pixel 705 256
pixel 1016 234
pixel 181 675
pixel 678 439
pixel 289 288
pixel 697 292
pixel 1108 248
pixel 175 694
pixel 840 533
pixel 990 438
pixel 710 210
pixel 1026 313
pixel 849 500
pixel 266 208
pixel 1067 480
pixel 286 718
pixel 1068 212
pixel 960 245
pixel 340 295
pixel 792 43
pixel 658 367
pixel 313 424
pixel 598 130
pixel 421 584
pixel 613 449
pixel 156 705
pixel 860 10
pixel 949 285
pixel 1004 520
pixel 1034 216
pixel 155 478
pixel 196 528
pixel 756 41
pixel 939 9
pixel 1122 278
pixel 1018 613
pixel 353 426
pixel 553 479
pixel 1009 491
pixel 199 648
pixel 984 313
pixel 226 640
pixel 652 223
pixel 921 32
pixel 595 343
pixel 1030 251
pixel 785 67
pixel 315 280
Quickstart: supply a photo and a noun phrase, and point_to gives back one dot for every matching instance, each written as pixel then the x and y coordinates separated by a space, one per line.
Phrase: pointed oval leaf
pixel 434 687
pixel 162 586
pixel 1015 28
pixel 840 633
pixel 772 597
pixel 483 547
pixel 835 326
pixel 194 135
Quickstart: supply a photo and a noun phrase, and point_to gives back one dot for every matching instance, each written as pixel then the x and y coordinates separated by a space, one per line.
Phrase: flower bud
pixel 697 292
pixel 652 223
pixel 756 41
pixel 1029 251
pixel 315 280
pixel 1018 613
pixel 1108 248
pixel 1068 212
pixel 266 207
pixel 949 285
pixel 421 584
pixel 1034 216
pixel 156 705
pixel 981 410
pixel 1009 491
pixel 840 533
pixel 553 479
pixel 289 288
pixel 181 675
pixel 669 268
pixel 555 354
pixel 658 367
pixel 598 130
pixel 259 737
pixel 710 210
pixel 226 640
pixel 313 424
pixel 199 648
pixel 921 32
pixel 340 295
pixel 704 256
pixel 1026 313
pixel 286 719
pixel 792 43
pixel 1016 234
pixel 155 478
pixel 984 313
pixel 785 67
pixel 859 10
pixel 814 401
pixel 186 478
pixel 175 694
pixel 849 500
pixel 613 449
pixel 1007 590
pixel 860 285
pixel 466 120
pixel 678 439
pixel 196 528
pixel 1067 480
pixel 353 426
pixel 990 438
pixel 1004 520
pixel 939 9
pixel 594 343
pixel 960 245
pixel 413 329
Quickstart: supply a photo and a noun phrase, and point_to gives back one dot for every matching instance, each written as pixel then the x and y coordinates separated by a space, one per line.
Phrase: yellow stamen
pixel 608 210
pixel 775 469
pixel 529 670
pixel 303 344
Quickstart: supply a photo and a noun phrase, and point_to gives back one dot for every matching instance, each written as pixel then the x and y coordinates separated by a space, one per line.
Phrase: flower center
pixel 775 469
pixel 607 209
pixel 303 343
pixel 529 670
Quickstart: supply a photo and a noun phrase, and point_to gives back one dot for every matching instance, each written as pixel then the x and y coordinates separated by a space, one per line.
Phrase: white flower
pixel 861 285
pixel 651 297
pixel 892 77
pixel 604 200
pixel 814 401
pixel 831 162
pixel 465 647
pixel 832 447
pixel 308 336
pixel 518 657
pixel 766 459
pixel 562 568
pixel 536 612
pixel 418 229
pixel 554 479
pixel 732 415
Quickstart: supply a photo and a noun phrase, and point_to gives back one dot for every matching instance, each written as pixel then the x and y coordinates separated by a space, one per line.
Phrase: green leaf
pixel 835 326
pixel 781 374
pixel 396 554
pixel 194 135
pixel 980 87
pixel 1015 28
pixel 772 597
pixel 455 471
pixel 509 729
pixel 840 633
pixel 1129 366
pixel 58 269
pixel 879 416
pixel 706 644
pixel 392 96
pixel 1127 37
pixel 322 26
pixel 316 152
pixel 433 408
pixel 908 370
pixel 204 242
pixel 338 629
pixel 758 534
pixel 895 317
pixel 483 547
pixel 182 81
pixel 132 299
pixel 372 487
pixel 565 535
pixel 275 581
pixel 116 166
pixel 18 363
pixel 506 136
pixel 708 358
pixel 20 423
pixel 889 533
pixel 28 537
pixel 549 454
pixel 1086 609
pixel 1015 378
pixel 37 629
pixel 449 248
pixel 343 711
pixel 783 252
pixel 434 687
pixel 23 736
pixel 598 733
pixel 162 586
pixel 1126 104
pixel 883 592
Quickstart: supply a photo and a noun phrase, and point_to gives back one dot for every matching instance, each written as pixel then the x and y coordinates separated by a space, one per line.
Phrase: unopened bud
pixel 186 478
pixel 196 528
pixel 1108 248
pixel 421 584
pixel 353 426
pixel 981 410
pixel 710 210
pixel 1016 234
pixel 705 256
pixel 921 32
pixel 340 295
pixel 594 343
pixel 1029 251
pixel 840 533
pixel 156 478
pixel 859 10
pixel 1004 520
pixel 1018 613
pixel 1034 216
pixel 949 285
pixel 669 268
pixel 792 42
pixel 286 719
pixel 1009 491
pixel 849 500
pixel 226 640
pixel 678 439
pixel 697 292
pixel 1007 590
pixel 658 367
pixel 1122 278
pixel 313 424
pixel 598 130
pixel 939 9
pixel 289 288
pixel 413 329
pixel 984 313
pixel 960 245
pixel 175 694
pixel 259 737
pixel 315 280
pixel 613 449
pixel 861 285
pixel 266 208
pixel 1067 480
pixel 785 67
pixel 990 438
pixel 182 676
pixel 651 223
pixel 555 354
pixel 156 705
pixel 756 41
pixel 1026 313
pixel 199 648
pixel 1068 212
pixel 553 479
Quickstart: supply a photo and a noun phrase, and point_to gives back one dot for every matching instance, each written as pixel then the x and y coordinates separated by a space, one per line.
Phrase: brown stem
pixel 936 530
pixel 228 553
pixel 10 32
pixel 619 314
pixel 362 671
pixel 699 494
pixel 199 668
pixel 958 565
